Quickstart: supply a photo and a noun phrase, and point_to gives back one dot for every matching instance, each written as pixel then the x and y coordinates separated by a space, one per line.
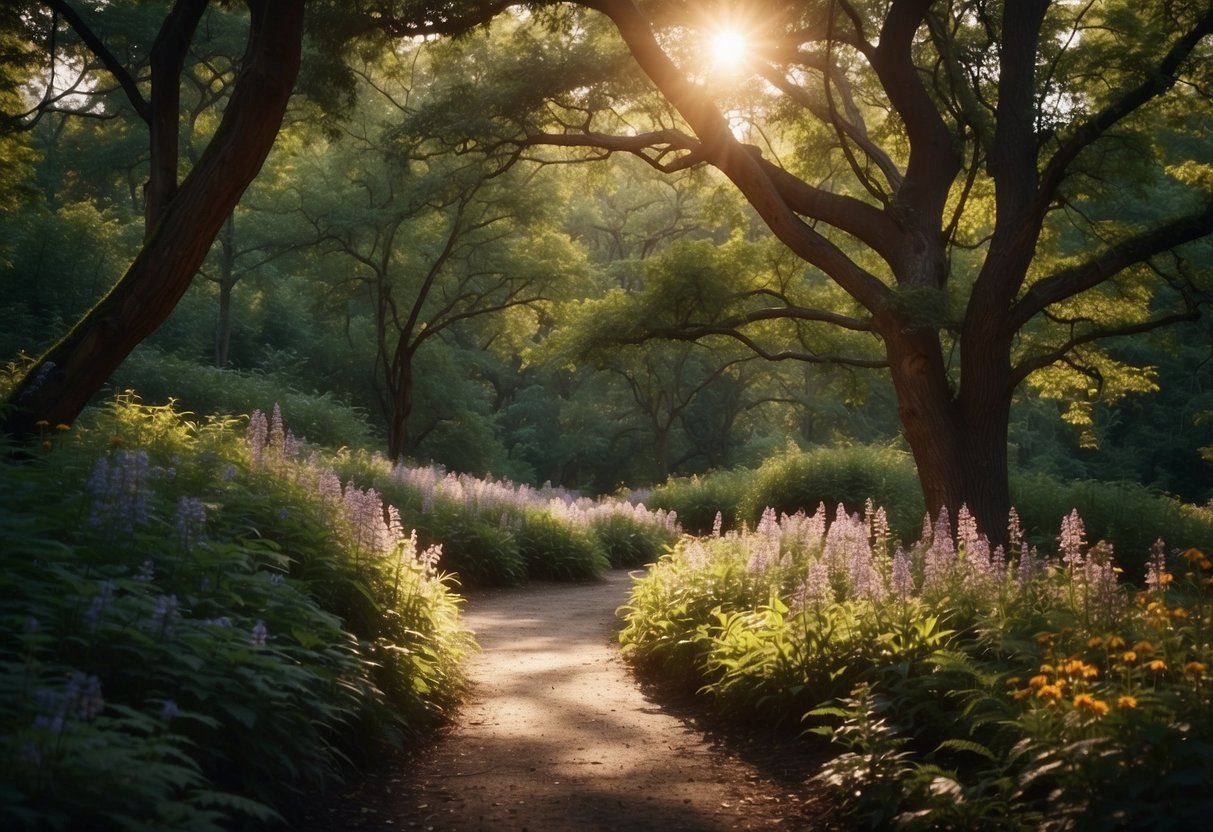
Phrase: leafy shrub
pixel 699 500
pixel 160 378
pixel 209 614
pixel 801 480
pixel 1128 515
pixel 628 541
pixel 556 549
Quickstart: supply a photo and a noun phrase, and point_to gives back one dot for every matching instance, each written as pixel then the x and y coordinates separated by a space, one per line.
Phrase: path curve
pixel 558 737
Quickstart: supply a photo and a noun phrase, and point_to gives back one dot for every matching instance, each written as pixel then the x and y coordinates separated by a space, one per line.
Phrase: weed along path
pixel 557 735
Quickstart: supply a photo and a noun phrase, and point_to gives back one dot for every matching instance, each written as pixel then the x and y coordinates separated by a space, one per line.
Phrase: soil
pixel 558 734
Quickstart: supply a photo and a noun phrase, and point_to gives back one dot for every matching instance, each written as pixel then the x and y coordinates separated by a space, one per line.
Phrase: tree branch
pixel 95 45
pixel 1109 263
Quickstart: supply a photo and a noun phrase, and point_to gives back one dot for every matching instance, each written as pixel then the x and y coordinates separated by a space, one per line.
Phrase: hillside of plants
pixel 874 336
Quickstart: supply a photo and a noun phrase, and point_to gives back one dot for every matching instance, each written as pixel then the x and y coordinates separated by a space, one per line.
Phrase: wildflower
pixel 42 423
pixel 1087 702
pixel 164 613
pixel 191 522
pixel 119 491
pixel 1157 665
pixel 147 572
pixel 1126 703
pixel 1072 539
pixel 1049 693
pixel 1095 641
pixel 1179 612
pixel 1129 656
pixel 816 588
pixel 1014 530
pixel 1013 681
pixel 1077 667
pixel 62 428
pixel 1195 668
pixel 1156 567
pixel 259 634
pixel 902 579
pixel 1037 682
pixel 1115 642
pixel 255 438
pixel 40 378
pixel 717 525
pixel 1144 647
pixel 168 710
pixel 31 625
pixel 277 579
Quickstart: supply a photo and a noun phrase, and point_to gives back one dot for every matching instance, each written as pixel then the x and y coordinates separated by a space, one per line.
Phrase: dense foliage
pixel 966 686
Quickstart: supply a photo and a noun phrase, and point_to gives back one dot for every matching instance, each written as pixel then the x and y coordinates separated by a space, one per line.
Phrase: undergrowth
pixel 966 686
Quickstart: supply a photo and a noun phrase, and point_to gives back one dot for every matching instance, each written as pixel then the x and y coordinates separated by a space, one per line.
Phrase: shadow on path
pixel 557 735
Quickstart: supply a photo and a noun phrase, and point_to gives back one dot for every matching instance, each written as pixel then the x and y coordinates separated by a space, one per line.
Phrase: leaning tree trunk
pixel 67 377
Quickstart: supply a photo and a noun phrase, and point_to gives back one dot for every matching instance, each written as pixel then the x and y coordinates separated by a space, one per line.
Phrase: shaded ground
pixel 558 735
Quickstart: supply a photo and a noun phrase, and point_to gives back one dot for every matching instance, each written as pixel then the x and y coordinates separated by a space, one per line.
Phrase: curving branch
pixel 1113 260
pixel 1062 352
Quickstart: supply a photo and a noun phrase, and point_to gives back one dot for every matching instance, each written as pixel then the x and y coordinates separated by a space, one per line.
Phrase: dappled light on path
pixel 557 735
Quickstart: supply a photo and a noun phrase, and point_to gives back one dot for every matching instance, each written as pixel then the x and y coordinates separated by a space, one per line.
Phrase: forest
pixel 876 330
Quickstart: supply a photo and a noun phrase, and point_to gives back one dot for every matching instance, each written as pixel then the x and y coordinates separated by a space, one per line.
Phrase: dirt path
pixel 557 735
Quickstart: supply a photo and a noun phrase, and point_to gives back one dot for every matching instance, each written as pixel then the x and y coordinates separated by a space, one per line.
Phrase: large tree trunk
pixel 959 443
pixel 67 377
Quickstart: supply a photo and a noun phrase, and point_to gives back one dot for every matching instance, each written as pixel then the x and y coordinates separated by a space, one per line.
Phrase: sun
pixel 729 49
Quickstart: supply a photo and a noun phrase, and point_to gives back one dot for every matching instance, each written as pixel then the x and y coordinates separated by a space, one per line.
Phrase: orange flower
pixel 62 427
pixel 1094 641
pixel 1157 665
pixel 1038 682
pixel 1013 681
pixel 1087 702
pixel 1179 612
pixel 1077 667
pixel 1126 703
pixel 42 423
pixel 1128 657
pixel 1049 692
pixel 1144 647
pixel 1195 668
pixel 1115 642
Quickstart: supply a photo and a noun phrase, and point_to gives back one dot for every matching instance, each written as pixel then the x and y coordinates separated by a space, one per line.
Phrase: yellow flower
pixel 1115 642
pixel 1077 667
pixel 1094 641
pixel 1049 692
pixel 1047 668
pixel 1157 665
pixel 1013 681
pixel 1179 612
pixel 1038 682
pixel 1022 692
pixel 1195 668
pixel 1129 657
pixel 1144 647
pixel 1165 578
pixel 1126 703
pixel 42 423
pixel 62 427
pixel 1194 555
pixel 1087 702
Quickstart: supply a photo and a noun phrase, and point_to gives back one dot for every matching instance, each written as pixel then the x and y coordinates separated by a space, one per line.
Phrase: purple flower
pixel 259 634
pixel 164 613
pixel 256 436
pixel 119 491
pixel 191 522
pixel 1072 539
pixel 98 605
pixel 168 710
pixel 902 577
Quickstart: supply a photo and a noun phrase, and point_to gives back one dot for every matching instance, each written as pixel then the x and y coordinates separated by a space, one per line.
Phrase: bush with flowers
pixel 201 625
pixel 965 685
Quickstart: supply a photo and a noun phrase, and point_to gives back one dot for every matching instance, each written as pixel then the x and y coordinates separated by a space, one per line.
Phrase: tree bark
pixel 67 377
